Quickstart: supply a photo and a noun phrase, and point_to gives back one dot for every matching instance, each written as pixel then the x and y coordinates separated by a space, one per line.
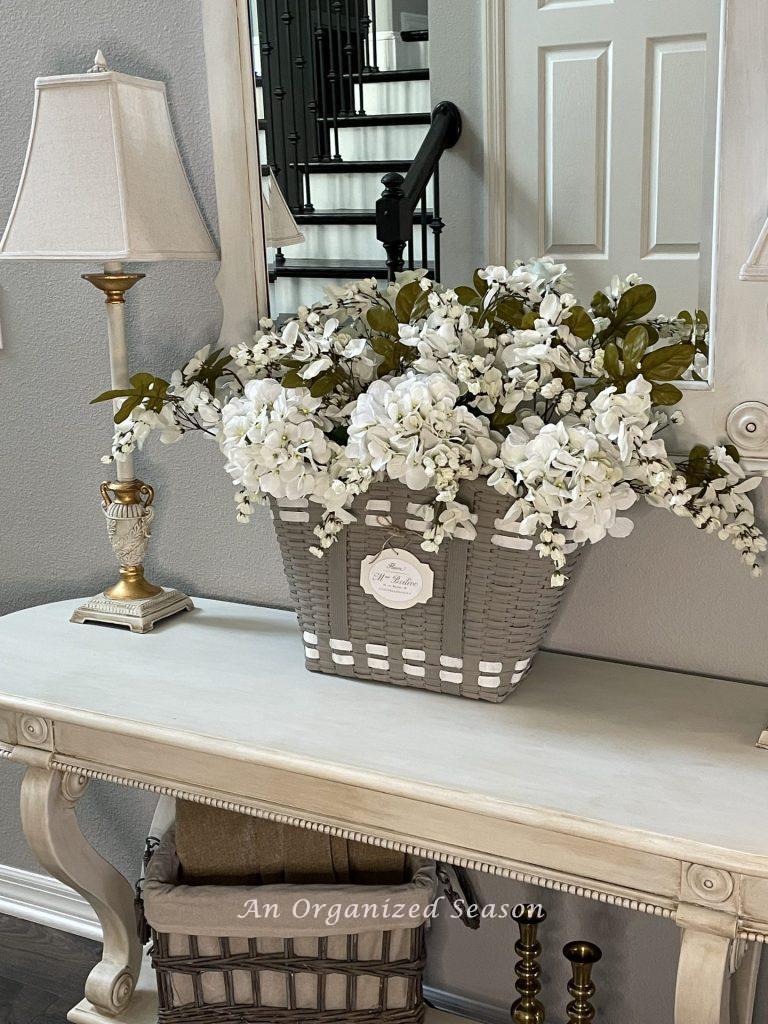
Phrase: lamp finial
pixel 99 64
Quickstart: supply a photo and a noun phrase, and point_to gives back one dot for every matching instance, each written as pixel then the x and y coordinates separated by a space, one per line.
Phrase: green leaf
pixel 665 394
pixel 382 320
pixel 668 363
pixel 383 346
pixel 636 303
pixel 127 408
pixel 293 379
pixel 580 323
pixel 420 306
pixel 324 384
pixel 481 286
pixel 611 361
pixel 468 296
pixel 733 451
pixel 510 312
pixel 529 321
pixel 142 380
pixel 405 301
pixel 635 345
pixel 601 304
pixel 698 452
pixel 109 396
pixel 502 420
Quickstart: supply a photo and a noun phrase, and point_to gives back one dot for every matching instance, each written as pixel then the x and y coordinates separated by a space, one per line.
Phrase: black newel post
pixel 393 221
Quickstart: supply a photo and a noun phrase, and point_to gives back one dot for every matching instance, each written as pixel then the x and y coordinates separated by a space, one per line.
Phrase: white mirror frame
pixel 242 281
pixel 736 406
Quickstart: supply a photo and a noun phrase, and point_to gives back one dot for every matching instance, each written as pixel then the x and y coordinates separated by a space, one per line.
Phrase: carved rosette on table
pixel 133 601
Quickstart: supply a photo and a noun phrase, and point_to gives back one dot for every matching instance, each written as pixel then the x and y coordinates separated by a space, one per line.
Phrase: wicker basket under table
pixel 218 964
pixel 476 637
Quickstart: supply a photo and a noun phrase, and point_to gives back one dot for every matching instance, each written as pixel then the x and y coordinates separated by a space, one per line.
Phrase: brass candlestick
pixel 527 1009
pixel 582 957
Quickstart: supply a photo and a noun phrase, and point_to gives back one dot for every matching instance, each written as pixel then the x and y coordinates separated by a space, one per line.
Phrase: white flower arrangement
pixel 560 407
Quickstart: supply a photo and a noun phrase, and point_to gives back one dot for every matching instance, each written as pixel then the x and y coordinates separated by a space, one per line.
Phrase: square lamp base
pixel 139 616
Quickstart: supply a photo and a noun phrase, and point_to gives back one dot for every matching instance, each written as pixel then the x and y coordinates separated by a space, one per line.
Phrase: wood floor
pixel 42 972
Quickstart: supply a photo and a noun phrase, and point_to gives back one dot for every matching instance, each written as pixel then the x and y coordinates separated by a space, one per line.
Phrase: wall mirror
pixel 343 98
pixel 620 135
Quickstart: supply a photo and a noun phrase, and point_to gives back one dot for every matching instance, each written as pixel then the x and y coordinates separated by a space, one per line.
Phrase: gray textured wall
pixel 666 596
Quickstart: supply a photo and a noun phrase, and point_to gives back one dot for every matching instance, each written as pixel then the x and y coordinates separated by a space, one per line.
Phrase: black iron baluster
pixel 360 55
pixel 294 137
pixel 267 78
pixel 336 36
pixel 349 81
pixel 333 81
pixel 279 124
pixel 308 35
pixel 365 25
pixel 424 236
pixel 279 257
pixel 374 40
pixel 320 85
pixel 436 223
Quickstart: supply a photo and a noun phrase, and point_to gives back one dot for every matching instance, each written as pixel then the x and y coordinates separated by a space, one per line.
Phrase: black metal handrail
pixel 396 209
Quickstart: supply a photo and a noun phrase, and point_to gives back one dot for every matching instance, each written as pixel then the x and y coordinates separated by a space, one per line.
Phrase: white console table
pixel 633 786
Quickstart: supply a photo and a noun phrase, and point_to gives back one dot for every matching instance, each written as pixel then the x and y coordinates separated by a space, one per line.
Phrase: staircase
pixel 329 150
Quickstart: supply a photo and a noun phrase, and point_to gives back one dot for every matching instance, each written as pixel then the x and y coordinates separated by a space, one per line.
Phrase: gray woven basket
pixel 217 964
pixel 491 607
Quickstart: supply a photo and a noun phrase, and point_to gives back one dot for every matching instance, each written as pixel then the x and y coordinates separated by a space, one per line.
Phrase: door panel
pixel 612 110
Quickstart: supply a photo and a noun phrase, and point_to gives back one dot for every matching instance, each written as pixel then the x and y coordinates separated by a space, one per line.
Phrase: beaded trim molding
pixel 665 910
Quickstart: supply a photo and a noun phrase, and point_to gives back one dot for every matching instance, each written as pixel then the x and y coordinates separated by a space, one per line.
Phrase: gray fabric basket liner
pixel 215 910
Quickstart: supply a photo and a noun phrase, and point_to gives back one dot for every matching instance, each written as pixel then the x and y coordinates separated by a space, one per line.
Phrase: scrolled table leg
pixel 702 978
pixel 48 801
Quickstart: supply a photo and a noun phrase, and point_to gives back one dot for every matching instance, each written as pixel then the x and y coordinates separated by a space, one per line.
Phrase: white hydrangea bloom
pixel 274 440
pixel 413 429
pixel 563 475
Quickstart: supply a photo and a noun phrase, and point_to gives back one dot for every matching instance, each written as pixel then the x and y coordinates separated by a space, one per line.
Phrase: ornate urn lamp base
pixel 133 601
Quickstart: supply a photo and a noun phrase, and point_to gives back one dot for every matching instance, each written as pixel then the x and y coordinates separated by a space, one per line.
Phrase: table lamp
pixel 103 183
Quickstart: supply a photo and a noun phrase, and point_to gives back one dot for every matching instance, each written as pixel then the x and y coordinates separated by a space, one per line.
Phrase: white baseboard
pixel 46 901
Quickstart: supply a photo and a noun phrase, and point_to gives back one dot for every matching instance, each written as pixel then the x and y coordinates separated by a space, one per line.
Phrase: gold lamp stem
pixel 127 501
pixel 114 283
pixel 582 957
pixel 527 1009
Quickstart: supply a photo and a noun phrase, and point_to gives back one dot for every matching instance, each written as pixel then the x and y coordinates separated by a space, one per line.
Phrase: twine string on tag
pixel 395 532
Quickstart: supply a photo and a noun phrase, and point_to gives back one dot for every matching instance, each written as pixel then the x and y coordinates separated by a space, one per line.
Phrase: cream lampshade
pixel 103 182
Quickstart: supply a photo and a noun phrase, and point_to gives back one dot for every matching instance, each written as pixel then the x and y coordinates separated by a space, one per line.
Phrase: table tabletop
pixel 650 759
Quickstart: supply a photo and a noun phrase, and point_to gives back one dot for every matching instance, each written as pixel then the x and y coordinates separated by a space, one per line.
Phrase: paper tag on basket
pixel 396 578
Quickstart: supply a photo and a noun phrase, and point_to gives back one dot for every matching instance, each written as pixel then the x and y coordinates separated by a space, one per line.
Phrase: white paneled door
pixel 612 112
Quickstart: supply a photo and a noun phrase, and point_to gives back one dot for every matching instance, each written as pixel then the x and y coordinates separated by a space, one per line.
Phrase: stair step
pixel 342 217
pixel 352 269
pixel 415 35
pixel 381 120
pixel 395 75
pixel 356 166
